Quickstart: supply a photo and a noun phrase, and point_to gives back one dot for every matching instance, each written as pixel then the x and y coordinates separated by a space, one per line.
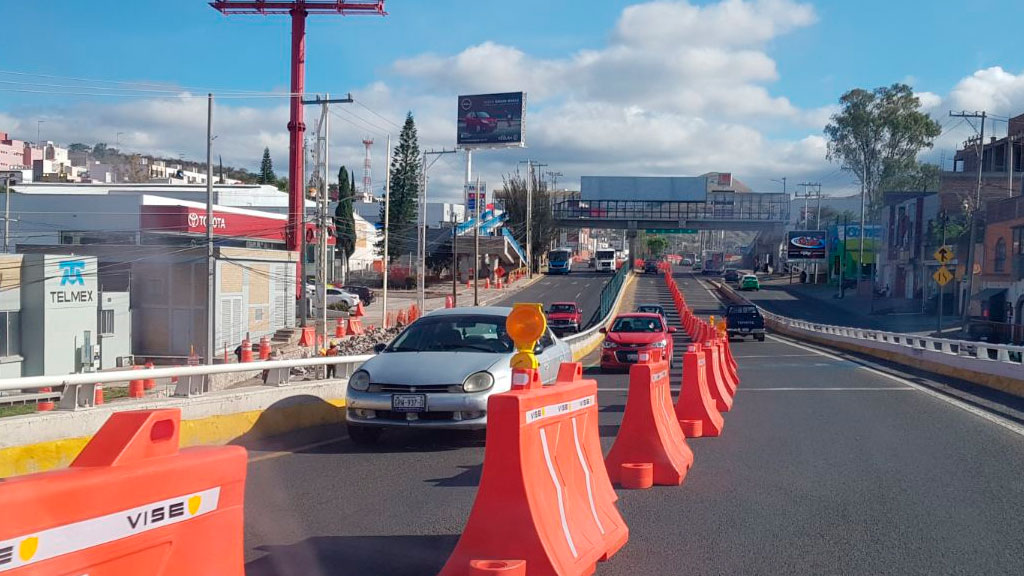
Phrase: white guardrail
pixel 78 390
pixel 993 359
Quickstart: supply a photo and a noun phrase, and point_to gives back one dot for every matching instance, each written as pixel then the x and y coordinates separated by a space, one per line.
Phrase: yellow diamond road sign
pixel 944 254
pixel 942 276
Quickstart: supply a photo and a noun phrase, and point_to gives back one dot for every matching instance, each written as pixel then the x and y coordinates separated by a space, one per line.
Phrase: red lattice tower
pixel 367 183
pixel 298 10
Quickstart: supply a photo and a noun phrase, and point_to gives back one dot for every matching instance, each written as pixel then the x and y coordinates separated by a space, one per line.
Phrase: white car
pixel 440 372
pixel 336 295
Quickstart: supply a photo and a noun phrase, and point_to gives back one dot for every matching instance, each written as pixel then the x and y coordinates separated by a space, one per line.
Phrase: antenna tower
pixel 367 182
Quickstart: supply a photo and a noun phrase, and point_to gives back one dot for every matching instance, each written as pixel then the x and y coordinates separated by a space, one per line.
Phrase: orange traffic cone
pixel 359 309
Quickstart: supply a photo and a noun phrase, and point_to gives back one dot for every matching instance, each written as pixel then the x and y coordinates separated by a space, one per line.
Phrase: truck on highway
pixel 744 320
pixel 560 261
pixel 604 260
pixel 714 263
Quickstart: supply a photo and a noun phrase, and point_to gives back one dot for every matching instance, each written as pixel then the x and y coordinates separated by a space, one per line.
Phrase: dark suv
pixel 364 293
pixel 650 266
pixel 731 275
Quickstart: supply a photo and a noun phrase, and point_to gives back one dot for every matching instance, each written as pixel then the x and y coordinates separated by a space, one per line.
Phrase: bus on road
pixel 559 261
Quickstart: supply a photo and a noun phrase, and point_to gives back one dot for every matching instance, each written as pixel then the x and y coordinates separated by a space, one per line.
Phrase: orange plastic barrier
pixel 264 347
pixel 359 313
pixel 402 320
pixel 308 338
pixel 650 431
pixel 487 283
pixel 696 403
pixel 731 362
pixel 728 375
pixel 500 567
pixel 246 350
pixel 45 405
pixel 136 388
pixel 544 496
pixel 130 504
pixel 98 399
pixel 355 326
pixel 713 368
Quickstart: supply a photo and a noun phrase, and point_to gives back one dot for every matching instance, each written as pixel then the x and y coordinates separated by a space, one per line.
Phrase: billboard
pixel 806 245
pixel 492 120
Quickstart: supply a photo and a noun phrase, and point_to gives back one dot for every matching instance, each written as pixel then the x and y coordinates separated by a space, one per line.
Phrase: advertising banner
pixel 806 245
pixel 492 120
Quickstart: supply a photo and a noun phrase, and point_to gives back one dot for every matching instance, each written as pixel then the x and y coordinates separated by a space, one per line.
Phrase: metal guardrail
pixel 895 341
pixel 581 341
pixel 78 390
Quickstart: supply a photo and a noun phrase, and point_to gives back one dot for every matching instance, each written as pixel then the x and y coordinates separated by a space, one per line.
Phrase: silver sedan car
pixel 439 373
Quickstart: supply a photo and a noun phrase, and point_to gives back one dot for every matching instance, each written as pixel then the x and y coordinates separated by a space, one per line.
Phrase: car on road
pixel 698 267
pixel 565 317
pixel 480 122
pixel 744 320
pixel 337 296
pixel 631 334
pixel 749 282
pixel 651 266
pixel 364 292
pixel 731 275
pixel 439 373
pixel 687 262
pixel 653 309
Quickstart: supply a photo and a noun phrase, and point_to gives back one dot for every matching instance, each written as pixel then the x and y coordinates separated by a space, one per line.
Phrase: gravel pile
pixel 355 345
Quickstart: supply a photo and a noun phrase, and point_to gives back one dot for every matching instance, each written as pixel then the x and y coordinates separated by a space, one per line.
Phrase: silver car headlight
pixel 609 344
pixel 478 382
pixel 660 344
pixel 360 381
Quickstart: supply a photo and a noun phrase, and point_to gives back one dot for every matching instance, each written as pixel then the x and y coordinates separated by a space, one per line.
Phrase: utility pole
pixel 817 220
pixel 969 268
pixel 943 219
pixel 455 260
pixel 211 262
pixel 422 248
pixel 7 213
pixel 387 219
pixel 530 165
pixel 476 245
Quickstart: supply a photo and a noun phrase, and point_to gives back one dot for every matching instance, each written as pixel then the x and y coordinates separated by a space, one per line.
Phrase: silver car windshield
pixel 449 333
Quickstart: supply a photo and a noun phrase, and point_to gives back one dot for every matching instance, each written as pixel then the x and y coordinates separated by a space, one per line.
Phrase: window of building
pixel 1000 256
pixel 10 333
pixel 105 322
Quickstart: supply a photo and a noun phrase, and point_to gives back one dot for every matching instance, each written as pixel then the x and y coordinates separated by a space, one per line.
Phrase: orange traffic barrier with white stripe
pixel 131 503
pixel 544 499
pixel 650 431
pixel 713 368
pixel 696 408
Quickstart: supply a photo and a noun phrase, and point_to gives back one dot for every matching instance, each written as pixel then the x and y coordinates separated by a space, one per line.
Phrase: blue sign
pixel 71 272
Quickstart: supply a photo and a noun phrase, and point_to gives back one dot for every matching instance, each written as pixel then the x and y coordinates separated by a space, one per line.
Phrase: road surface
pixel 824 466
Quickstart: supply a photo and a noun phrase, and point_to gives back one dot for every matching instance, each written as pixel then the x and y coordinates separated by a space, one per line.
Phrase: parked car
pixel 731 275
pixel 749 282
pixel 439 373
pixel 653 309
pixel 631 334
pixel 480 122
pixel 698 267
pixel 337 295
pixel 687 262
pixel 565 317
pixel 364 292
pixel 651 266
pixel 744 320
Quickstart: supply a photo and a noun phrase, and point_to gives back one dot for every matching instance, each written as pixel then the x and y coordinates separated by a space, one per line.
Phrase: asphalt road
pixel 824 467
pixel 583 287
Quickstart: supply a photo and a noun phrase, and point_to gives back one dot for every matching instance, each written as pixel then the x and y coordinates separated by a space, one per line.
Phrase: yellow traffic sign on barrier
pixel 944 255
pixel 942 276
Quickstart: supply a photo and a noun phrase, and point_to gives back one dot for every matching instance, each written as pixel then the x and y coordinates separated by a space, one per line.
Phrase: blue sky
pixel 800 64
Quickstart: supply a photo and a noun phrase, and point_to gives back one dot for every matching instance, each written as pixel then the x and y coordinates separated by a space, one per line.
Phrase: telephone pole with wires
pixel 969 268
pixel 422 281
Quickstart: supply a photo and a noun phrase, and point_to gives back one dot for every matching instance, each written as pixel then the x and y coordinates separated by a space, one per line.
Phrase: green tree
pixel 267 175
pixel 79 147
pixel 344 217
pixel 405 183
pixel 656 245
pixel 912 177
pixel 542 223
pixel 877 135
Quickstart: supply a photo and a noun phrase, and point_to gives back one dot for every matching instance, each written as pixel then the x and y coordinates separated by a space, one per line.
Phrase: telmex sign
pixel 71 275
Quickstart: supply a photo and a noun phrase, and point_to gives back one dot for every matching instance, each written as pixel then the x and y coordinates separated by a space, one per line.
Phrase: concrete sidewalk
pixel 820 303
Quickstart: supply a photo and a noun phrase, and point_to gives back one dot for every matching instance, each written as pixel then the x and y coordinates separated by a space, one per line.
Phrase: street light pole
pixel 211 262
pixel 387 219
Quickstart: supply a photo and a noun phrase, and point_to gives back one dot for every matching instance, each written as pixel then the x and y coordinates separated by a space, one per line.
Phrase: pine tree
pixel 405 182
pixel 344 216
pixel 267 169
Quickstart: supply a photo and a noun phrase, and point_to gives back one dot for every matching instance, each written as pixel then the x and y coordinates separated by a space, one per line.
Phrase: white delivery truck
pixel 604 260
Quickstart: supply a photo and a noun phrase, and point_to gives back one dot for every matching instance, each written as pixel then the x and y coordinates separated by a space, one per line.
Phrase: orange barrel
pixel 48 404
pixel 148 383
pixel 136 388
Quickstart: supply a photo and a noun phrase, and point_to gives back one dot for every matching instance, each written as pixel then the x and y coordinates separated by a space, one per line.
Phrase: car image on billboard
pixel 491 120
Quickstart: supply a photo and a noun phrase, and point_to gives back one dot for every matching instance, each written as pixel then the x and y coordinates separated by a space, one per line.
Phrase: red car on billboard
pixel 480 122
pixel 631 334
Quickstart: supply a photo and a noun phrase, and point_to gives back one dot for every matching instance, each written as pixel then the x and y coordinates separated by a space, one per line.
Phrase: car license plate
pixel 408 402
pixel 631 357
pixel 744 329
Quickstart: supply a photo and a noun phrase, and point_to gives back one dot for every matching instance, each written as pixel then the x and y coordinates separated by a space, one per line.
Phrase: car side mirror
pixel 378 348
pixel 672 330
pixel 603 330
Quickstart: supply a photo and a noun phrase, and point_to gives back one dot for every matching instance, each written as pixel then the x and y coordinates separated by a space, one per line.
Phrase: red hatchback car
pixel 632 333
pixel 480 122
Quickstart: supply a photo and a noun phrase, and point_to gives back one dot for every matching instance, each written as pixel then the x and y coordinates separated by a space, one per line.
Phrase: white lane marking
pixel 984 414
pixel 829 389
pixel 586 473
pixel 558 492
pixel 777 356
